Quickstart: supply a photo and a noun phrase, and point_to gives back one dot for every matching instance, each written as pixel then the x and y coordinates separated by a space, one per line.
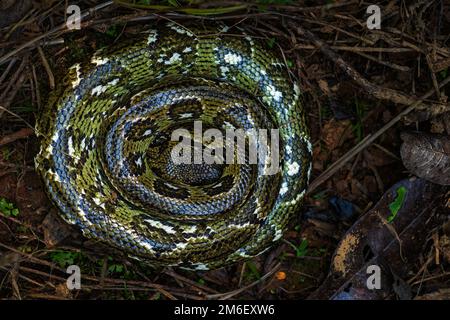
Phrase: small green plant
pixel 8 209
pixel 116 268
pixel 6 153
pixel 443 74
pixel 396 205
pixel 173 3
pixel 65 258
pixel 22 229
pixel 271 42
pixel 113 31
pixel 156 296
pixel 25 249
pixel 253 273
pixel 301 250
pixel 77 52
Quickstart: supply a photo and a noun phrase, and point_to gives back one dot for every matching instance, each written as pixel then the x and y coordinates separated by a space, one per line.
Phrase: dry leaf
pixel 427 156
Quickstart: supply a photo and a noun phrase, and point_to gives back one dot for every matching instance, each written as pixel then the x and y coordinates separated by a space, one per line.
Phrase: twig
pixel 13 79
pixel 51 78
pixel 190 282
pixel 52 31
pixel 12 94
pixel 228 295
pixel 389 153
pixel 372 89
pixel 3 109
pixel 8 68
pixel 385 63
pixel 36 87
pixel 21 134
pixel 446 274
pixel 163 289
pixel 355 49
pixel 25 278
pixel 368 140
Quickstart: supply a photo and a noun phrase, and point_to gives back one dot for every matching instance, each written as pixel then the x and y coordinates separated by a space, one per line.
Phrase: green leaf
pixel 396 205
pixel 157 296
pixel 115 268
pixel 302 249
pixel 253 269
pixel 443 74
pixel 8 208
pixel 173 3
pixel 64 258
pixel 271 42
pixel 113 31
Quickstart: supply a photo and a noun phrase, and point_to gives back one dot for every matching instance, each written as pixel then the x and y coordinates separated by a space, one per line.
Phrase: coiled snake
pixel 106 145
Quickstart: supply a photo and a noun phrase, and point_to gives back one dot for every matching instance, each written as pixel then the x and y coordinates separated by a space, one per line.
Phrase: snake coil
pixel 106 147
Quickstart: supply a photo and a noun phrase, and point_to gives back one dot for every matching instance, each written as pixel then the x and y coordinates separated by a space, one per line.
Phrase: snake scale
pixel 106 140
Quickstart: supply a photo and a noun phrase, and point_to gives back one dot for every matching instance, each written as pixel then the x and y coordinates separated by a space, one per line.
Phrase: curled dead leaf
pixel 427 156
pixel 333 132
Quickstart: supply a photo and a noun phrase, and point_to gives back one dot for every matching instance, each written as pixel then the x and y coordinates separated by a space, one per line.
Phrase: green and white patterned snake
pixel 106 145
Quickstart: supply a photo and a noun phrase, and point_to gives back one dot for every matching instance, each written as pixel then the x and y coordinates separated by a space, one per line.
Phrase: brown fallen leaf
pixel 333 133
pixel 62 291
pixel 427 156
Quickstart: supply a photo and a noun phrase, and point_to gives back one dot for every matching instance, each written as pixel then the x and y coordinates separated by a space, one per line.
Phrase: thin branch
pixel 330 171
